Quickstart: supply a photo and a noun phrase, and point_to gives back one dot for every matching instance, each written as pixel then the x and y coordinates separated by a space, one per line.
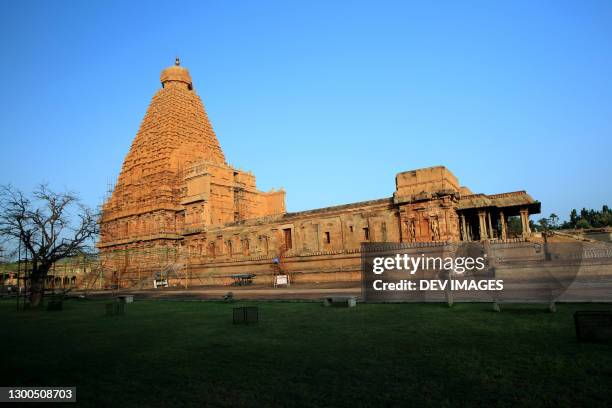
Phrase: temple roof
pixel 504 200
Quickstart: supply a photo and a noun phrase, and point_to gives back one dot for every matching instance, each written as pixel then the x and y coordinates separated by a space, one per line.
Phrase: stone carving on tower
pixel 175 179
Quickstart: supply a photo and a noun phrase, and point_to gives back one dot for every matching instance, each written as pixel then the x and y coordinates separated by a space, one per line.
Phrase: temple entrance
pixel 493 223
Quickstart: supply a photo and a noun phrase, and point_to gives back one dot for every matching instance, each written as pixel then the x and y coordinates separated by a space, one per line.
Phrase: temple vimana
pixel 178 208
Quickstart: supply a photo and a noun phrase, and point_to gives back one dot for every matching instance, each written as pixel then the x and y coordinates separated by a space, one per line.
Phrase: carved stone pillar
pixel 502 221
pixel 482 225
pixel 490 225
pixel 464 229
pixel 525 222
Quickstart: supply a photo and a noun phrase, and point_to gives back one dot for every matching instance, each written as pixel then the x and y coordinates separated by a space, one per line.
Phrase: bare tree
pixel 50 227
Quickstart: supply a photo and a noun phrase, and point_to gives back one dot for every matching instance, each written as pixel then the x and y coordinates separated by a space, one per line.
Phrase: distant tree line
pixel 586 219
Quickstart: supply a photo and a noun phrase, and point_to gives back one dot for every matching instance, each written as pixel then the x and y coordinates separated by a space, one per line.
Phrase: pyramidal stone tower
pixel 174 179
pixel 180 214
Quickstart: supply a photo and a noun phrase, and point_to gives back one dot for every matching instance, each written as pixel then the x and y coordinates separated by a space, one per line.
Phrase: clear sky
pixel 327 99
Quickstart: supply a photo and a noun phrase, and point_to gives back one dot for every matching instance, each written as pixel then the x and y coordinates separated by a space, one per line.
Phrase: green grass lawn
pixel 302 354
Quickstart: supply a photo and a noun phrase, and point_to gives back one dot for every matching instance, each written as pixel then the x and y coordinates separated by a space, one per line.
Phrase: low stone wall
pixel 512 260
pixel 336 267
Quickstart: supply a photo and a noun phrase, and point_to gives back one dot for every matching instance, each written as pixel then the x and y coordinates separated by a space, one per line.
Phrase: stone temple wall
pixel 178 206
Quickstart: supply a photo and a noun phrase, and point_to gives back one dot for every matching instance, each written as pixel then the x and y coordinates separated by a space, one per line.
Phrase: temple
pixel 179 207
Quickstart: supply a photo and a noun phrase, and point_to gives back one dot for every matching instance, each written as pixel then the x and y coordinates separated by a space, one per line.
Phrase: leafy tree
pixel 514 226
pixel 584 213
pixel 544 224
pixel 573 218
pixel 582 224
pixel 554 219
pixel 589 219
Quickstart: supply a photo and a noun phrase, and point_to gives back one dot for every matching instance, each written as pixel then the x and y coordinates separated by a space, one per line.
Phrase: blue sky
pixel 326 99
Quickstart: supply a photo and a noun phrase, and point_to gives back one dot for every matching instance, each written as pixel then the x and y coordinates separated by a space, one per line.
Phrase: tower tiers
pixel 175 177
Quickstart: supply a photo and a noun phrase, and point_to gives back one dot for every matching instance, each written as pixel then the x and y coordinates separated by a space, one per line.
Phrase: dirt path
pixel 312 291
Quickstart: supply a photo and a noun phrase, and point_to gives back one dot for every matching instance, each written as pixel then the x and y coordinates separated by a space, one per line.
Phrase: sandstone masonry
pixel 179 209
